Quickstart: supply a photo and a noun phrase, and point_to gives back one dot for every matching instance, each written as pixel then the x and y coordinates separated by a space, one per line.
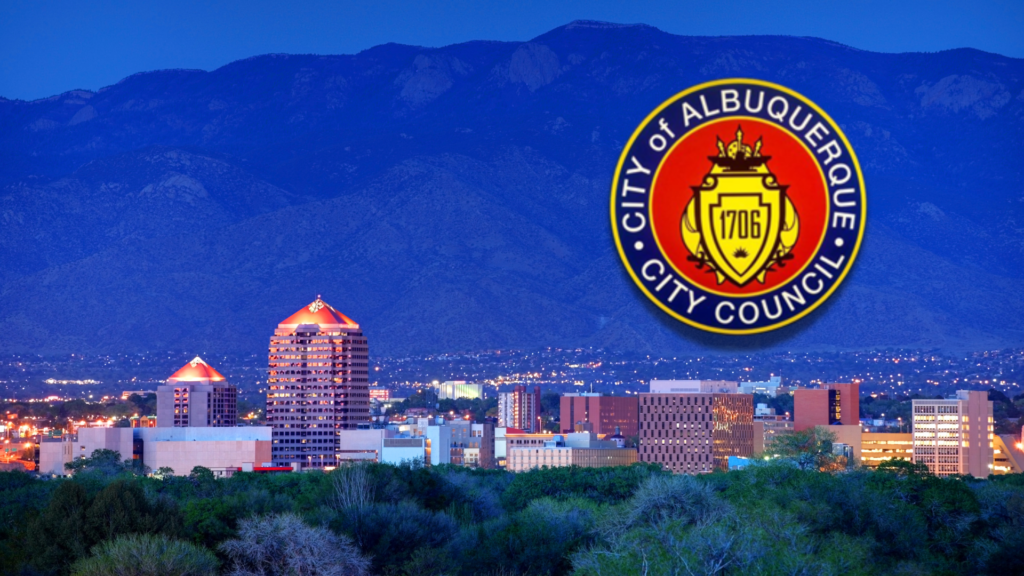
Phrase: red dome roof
pixel 319 312
pixel 197 371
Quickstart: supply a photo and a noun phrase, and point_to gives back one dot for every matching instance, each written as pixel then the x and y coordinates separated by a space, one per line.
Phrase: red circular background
pixel 687 164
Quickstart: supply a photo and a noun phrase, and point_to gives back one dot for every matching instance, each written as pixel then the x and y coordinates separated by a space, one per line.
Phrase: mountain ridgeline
pixel 457 198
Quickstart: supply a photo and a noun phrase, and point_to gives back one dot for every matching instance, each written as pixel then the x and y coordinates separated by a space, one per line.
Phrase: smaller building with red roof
pixel 196 395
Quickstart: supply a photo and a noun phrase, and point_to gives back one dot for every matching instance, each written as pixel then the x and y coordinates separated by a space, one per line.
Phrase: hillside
pixel 456 198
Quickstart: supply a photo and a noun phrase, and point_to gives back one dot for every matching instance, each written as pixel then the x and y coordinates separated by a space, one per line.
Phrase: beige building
pixel 850 435
pixel 768 425
pixel 54 453
pixel 222 450
pixel 693 387
pixel 223 457
pixel 576 449
pixel 954 435
pixel 879 447
pixel 89 440
pixel 359 445
pixel 1007 455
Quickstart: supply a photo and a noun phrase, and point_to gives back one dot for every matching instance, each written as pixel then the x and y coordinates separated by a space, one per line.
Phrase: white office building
pixel 459 389
pixel 954 436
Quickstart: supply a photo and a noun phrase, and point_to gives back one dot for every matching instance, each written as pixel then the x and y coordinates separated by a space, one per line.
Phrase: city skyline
pixel 337 288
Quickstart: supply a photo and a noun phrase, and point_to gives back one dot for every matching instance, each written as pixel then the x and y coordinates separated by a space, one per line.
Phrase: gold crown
pixel 737 150
pixel 738 156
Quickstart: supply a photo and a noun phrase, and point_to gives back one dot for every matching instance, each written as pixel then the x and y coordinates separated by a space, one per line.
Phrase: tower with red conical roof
pixel 196 396
pixel 318 385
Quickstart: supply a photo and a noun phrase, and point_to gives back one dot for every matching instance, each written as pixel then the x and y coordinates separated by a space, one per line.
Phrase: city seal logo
pixel 738 206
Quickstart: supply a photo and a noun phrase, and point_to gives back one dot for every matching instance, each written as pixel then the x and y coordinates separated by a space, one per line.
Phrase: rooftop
pixel 196 371
pixel 321 313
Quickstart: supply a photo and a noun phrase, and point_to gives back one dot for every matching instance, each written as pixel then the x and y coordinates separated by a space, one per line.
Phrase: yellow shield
pixel 740 219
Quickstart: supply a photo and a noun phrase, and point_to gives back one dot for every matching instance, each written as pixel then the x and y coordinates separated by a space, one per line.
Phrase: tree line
pixel 784 515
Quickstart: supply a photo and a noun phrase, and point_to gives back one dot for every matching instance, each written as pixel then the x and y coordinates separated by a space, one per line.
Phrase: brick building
pixel 830 405
pixel 604 413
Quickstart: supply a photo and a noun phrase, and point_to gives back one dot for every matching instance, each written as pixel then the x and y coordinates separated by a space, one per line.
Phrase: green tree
pixel 58 536
pixel 103 461
pixel 147 555
pixel 122 508
pixel 603 485
pixel 902 468
pixel 809 449
pixel 202 475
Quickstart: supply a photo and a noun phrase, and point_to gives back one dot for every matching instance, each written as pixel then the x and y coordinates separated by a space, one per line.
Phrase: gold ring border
pixel 860 180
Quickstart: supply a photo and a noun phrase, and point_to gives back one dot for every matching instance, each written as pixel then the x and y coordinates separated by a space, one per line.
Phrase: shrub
pixel 284 545
pixel 147 555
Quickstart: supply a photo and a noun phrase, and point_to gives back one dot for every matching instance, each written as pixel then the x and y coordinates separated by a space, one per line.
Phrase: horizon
pixel 48 49
pixel 329 54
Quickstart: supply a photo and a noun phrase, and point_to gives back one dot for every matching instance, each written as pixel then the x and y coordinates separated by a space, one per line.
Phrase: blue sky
pixel 48 47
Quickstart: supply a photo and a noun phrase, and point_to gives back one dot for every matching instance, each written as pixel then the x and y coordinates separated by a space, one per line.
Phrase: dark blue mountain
pixel 456 198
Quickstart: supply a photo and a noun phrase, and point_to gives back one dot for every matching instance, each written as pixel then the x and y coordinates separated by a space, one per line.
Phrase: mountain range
pixel 456 198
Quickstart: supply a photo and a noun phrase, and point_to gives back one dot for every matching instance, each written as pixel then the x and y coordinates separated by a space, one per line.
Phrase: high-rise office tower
pixel 196 396
pixel 695 433
pixel 520 409
pixel 318 385
pixel 954 435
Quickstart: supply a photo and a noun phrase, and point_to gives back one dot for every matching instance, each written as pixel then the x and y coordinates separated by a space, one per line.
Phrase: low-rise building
pixel 693 387
pixel 582 449
pixel 474 444
pixel 439 444
pixel 769 388
pixel 54 453
pixel 181 449
pixel 404 450
pixel 771 423
pixel 361 445
pixel 1007 455
pixel 220 449
pixel 459 389
pixel 120 440
pixel 850 437
pixel 458 442
pixel 877 447
pixel 501 438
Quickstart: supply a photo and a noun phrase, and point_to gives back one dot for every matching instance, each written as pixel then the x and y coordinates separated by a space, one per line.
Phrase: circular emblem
pixel 738 206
